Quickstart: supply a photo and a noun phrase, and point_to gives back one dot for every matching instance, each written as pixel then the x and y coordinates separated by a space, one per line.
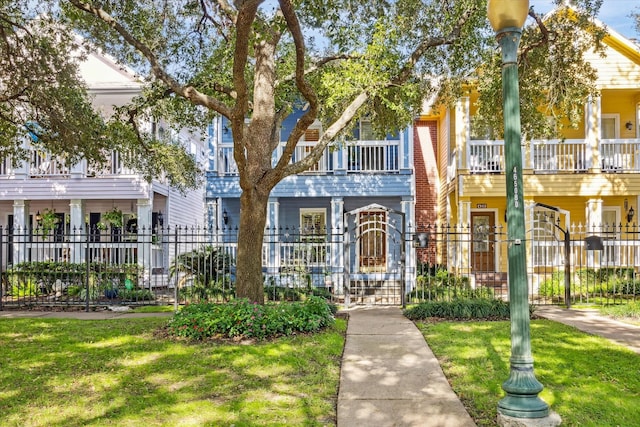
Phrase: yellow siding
pixel 623 102
pixel 615 71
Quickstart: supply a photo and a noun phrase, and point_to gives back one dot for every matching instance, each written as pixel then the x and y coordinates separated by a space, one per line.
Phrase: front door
pixel 483 241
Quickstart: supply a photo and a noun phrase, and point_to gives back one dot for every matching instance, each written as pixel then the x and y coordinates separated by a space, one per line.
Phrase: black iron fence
pixel 178 265
pixel 600 264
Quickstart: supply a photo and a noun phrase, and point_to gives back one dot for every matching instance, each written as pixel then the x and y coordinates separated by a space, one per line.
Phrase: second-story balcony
pixel 557 156
pixel 43 165
pixel 382 156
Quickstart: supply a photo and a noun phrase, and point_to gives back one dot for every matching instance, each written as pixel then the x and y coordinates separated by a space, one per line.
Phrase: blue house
pixel 340 225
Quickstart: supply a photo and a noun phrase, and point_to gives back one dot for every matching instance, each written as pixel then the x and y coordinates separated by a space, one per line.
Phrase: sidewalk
pixel 390 377
pixel 80 315
pixel 590 321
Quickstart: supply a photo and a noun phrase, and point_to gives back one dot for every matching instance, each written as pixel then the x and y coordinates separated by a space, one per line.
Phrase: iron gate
pixel 374 256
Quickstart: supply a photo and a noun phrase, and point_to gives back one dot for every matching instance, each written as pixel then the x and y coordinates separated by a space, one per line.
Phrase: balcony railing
pixel 43 165
pixel 359 157
pixel 552 156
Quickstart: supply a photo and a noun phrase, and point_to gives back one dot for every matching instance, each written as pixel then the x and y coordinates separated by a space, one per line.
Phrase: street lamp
pixel 507 18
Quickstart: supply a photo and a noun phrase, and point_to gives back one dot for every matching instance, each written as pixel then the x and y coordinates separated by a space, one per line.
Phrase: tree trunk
pixel 253 216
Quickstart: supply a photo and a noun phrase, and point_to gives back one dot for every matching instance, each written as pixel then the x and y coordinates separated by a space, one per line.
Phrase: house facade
pixel 342 223
pixel 111 204
pixel 586 184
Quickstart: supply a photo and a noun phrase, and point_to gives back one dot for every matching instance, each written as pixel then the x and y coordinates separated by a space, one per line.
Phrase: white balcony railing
pixel 620 155
pixel 486 156
pixel 358 157
pixel 113 166
pixel 554 156
pixel 44 165
pixel 551 156
pixel 373 156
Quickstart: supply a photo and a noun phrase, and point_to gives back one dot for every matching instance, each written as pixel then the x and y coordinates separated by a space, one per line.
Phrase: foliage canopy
pixel 254 61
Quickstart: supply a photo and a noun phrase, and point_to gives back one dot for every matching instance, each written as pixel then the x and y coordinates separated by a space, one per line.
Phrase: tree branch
pixel 244 22
pixel 317 65
pixel 188 92
pixel 305 88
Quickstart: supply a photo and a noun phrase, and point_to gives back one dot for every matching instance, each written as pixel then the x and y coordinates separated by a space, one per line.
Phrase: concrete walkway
pixel 592 322
pixel 390 377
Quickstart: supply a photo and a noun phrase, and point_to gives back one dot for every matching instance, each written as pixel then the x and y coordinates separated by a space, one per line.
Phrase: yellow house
pixel 587 184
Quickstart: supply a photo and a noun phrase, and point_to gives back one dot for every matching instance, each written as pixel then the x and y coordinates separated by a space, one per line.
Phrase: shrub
pixel 22 289
pixel 217 291
pixel 240 318
pixel 461 308
pixel 135 294
pixel 440 285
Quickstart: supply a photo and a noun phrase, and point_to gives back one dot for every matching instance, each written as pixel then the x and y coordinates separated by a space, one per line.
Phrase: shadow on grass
pixel 61 372
pixel 588 380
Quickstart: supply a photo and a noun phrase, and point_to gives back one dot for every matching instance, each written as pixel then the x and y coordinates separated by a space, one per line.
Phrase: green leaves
pixel 555 78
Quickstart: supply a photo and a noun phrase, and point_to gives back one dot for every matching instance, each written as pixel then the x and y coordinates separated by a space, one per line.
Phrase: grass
pixel 629 312
pixel 588 380
pixel 64 372
pixel 153 309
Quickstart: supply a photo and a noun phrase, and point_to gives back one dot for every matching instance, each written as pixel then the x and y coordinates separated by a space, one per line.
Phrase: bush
pixel 240 318
pixel 135 294
pixel 23 288
pixel 476 308
pixel 592 282
pixel 440 285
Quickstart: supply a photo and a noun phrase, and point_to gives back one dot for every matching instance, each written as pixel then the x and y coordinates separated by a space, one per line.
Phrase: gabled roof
pixel 102 71
pixel 613 39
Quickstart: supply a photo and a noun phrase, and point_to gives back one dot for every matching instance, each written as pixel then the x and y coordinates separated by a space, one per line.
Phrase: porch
pixel 554 156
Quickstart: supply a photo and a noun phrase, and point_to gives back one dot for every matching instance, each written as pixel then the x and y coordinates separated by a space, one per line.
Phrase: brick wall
pixel 425 142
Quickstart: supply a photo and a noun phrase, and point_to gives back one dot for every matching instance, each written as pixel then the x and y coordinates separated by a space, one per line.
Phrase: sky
pixel 613 13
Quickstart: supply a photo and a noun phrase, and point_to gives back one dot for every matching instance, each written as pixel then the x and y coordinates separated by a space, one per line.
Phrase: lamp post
pixel 521 401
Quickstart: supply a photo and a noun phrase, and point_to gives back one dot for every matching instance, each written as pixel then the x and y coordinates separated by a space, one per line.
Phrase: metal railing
pixel 451 263
pixel 601 265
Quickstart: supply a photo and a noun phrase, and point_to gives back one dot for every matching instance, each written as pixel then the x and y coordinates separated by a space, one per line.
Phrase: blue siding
pixel 353 185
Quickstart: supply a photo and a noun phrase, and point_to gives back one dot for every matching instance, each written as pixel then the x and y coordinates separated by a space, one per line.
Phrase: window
pixel 311 136
pixel 610 234
pixel 547 241
pixel 313 236
pixel 373 241
pixel 366 130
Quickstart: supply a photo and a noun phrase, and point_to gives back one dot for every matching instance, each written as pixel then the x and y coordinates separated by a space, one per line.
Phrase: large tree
pixel 253 61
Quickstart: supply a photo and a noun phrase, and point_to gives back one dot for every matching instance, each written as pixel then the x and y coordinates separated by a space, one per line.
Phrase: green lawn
pixel 588 380
pixel 62 372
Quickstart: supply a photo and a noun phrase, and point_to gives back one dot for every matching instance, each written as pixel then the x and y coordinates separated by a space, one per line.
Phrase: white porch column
pixel 144 246
pixel 594 215
pixel 22 170
pixel 273 236
pixel 336 269
pixel 592 133
pixel 464 223
pixel 77 230
pixel 408 208
pixel 594 222
pixel 405 151
pixel 21 229
pixel 462 132
pixel 77 169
